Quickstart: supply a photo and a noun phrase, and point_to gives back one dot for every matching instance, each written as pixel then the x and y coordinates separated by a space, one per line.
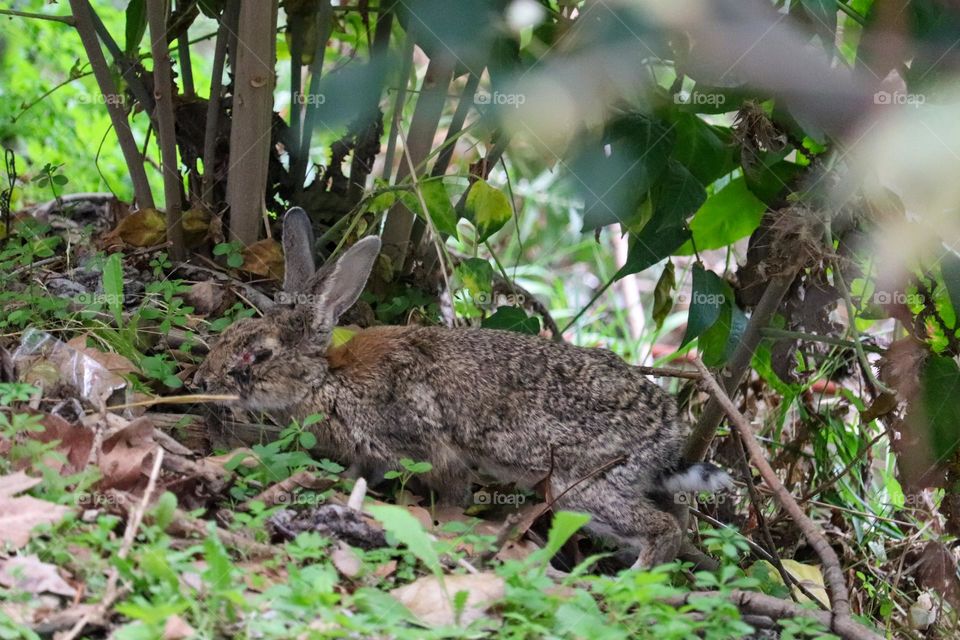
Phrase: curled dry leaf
pixel 426 599
pixel 264 258
pixel 76 440
pixel 123 460
pixel 20 514
pixel 28 573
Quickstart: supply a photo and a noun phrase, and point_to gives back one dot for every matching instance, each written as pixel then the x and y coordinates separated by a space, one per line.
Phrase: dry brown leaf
pixel 346 560
pixel 143 228
pixel 206 298
pixel 123 460
pixel 20 514
pixel 264 258
pixel 76 440
pixel 425 597
pixel 176 628
pixel 28 573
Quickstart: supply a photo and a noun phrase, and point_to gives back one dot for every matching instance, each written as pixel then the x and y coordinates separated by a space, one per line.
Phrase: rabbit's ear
pixel 343 284
pixel 298 266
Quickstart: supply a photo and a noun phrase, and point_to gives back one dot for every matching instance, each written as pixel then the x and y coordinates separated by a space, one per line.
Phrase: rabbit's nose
pixel 200 384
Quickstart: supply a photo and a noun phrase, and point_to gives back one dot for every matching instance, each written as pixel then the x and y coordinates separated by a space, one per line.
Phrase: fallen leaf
pixel 76 441
pixel 425 598
pixel 20 514
pixel 264 258
pixel 206 298
pixel 28 573
pixel 176 628
pixel 143 228
pixel 346 560
pixel 123 458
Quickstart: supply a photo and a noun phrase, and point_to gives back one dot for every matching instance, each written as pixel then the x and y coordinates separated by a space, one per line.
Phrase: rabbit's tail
pixel 696 477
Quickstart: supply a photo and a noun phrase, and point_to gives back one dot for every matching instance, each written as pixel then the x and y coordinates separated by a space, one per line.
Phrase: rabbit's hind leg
pixel 632 521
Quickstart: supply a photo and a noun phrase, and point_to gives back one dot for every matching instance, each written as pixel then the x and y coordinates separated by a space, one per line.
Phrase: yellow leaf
pixel 264 258
pixel 144 228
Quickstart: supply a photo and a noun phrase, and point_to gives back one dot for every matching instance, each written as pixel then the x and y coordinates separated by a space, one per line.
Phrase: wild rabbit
pixel 516 407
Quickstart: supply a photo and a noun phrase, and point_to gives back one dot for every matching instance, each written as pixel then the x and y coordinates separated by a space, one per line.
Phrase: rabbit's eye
pixel 253 357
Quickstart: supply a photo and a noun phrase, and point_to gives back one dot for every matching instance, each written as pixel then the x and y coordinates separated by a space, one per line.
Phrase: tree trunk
pixel 82 15
pixel 252 109
pixel 157 11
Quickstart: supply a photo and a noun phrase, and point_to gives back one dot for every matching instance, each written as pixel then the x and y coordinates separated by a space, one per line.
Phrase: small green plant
pixel 232 251
pixel 51 177
pixel 409 468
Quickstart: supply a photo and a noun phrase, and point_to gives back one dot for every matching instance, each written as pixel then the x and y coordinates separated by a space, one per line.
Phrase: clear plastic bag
pixel 97 386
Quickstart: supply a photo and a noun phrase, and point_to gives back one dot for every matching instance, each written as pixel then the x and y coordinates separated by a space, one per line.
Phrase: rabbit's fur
pixel 516 407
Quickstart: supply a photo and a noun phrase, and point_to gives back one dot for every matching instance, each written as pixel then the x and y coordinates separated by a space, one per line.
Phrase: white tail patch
pixel 698 477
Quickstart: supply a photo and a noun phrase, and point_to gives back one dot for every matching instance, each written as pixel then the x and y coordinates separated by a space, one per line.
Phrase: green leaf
pixel 662 301
pixel 476 275
pixel 709 295
pixel 308 440
pixel 136 25
pixel 164 509
pixel 771 178
pixel 950 269
pixel 677 195
pixel 512 319
pixel 219 569
pixel 706 151
pixel 235 260
pixel 113 285
pixel 60 180
pixel 614 174
pixel 823 19
pixel 727 216
pixel 398 522
pixel 940 406
pixel 440 209
pixel 488 209
pixel 565 524
pixel 718 343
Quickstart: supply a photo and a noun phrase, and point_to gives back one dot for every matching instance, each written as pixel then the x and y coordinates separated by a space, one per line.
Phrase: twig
pixel 163 89
pixel 273 495
pixel 833 574
pixel 67 20
pixel 213 108
pixel 175 400
pixel 668 372
pixel 777 609
pixel 131 155
pixel 706 426
pixel 111 593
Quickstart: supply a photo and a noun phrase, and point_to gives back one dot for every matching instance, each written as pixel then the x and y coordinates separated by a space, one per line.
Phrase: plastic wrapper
pixel 42 358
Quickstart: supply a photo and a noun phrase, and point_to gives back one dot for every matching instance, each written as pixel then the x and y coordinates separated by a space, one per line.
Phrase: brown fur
pixel 471 402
